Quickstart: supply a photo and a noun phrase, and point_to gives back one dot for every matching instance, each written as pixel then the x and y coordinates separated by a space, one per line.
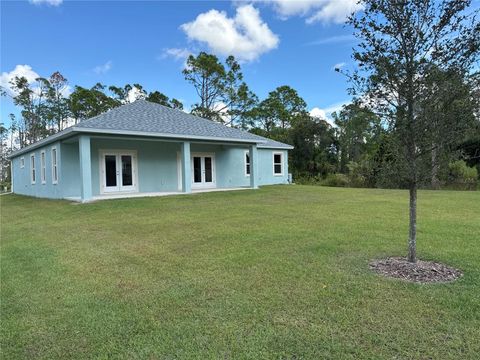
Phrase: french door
pixel 118 171
pixel 203 171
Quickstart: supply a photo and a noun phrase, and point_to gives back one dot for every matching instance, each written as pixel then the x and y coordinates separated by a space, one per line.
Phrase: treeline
pixel 357 151
pixel 47 106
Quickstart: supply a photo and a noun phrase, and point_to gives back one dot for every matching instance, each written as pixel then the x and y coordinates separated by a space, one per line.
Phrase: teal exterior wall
pixel 229 164
pixel 22 176
pixel 265 167
pixel 70 172
pixel 158 165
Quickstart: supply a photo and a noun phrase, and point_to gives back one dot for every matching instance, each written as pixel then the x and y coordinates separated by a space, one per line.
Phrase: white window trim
pixel 22 162
pixel 281 162
pixel 33 169
pixel 245 163
pixel 43 167
pixel 54 165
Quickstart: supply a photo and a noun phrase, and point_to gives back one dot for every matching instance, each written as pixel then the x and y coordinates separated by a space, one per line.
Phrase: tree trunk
pixel 412 237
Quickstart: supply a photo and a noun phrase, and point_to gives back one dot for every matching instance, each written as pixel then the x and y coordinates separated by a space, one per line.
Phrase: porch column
pixel 253 154
pixel 85 167
pixel 186 168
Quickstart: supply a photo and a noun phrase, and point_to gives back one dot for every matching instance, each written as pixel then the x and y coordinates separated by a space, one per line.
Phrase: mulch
pixel 419 272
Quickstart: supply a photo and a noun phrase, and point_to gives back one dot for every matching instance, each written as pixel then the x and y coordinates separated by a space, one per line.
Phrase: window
pixel 43 172
pixel 54 166
pixel 278 164
pixel 22 162
pixel 32 169
pixel 247 163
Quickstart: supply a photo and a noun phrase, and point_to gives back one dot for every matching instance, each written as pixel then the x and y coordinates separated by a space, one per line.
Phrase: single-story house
pixel 143 148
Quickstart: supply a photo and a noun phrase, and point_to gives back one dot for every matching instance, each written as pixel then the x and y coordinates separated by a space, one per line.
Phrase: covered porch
pixel 111 167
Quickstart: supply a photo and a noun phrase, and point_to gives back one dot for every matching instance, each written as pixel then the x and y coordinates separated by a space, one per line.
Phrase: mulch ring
pixel 419 272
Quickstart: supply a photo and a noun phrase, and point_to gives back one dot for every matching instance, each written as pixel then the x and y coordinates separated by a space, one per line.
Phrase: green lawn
pixel 280 273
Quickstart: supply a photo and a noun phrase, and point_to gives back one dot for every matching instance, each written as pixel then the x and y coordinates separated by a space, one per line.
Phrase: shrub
pixel 306 179
pixel 337 180
pixel 462 176
pixel 357 173
pixel 5 186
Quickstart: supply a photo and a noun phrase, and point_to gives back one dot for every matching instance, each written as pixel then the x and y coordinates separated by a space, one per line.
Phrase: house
pixel 143 148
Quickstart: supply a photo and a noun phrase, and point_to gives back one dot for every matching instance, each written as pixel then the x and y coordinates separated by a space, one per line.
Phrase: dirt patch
pixel 419 272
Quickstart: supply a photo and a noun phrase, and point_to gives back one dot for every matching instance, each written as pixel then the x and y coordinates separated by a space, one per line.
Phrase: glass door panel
pixel 127 174
pixel 111 173
pixel 208 169
pixel 197 169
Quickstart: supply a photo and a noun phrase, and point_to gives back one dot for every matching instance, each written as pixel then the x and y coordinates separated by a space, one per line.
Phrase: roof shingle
pixel 147 117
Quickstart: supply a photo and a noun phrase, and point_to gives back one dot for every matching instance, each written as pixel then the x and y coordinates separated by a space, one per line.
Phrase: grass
pixel 280 273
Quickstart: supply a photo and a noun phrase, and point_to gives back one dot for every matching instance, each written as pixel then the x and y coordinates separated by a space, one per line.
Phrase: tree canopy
pixel 407 51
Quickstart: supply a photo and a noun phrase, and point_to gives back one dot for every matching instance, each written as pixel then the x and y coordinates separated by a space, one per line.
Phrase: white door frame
pixel 119 188
pixel 203 184
pixel 179 171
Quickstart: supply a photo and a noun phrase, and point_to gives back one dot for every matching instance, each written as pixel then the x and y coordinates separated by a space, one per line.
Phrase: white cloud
pixel 338 66
pixel 48 2
pixel 318 113
pixel 19 71
pixel 222 108
pixel 326 113
pixel 176 53
pixel 245 36
pixel 324 11
pixel 336 11
pixel 135 94
pixel 288 8
pixel 321 114
pixel 179 54
pixel 333 40
pixel 104 68
pixel 336 107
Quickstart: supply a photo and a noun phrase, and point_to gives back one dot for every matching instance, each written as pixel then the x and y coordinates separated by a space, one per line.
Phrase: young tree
pixel 400 41
pixel 224 96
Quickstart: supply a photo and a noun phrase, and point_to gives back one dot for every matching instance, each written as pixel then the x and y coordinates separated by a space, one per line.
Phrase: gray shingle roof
pixel 150 119
pixel 147 117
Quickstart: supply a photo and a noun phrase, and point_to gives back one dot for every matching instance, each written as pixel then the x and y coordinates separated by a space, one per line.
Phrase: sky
pixel 278 42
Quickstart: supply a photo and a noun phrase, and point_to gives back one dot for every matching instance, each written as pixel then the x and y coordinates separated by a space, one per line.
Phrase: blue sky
pixel 118 42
